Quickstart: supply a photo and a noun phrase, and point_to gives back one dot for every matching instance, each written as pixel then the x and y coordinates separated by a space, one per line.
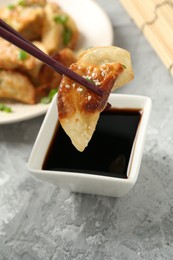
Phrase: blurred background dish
pixel 93 32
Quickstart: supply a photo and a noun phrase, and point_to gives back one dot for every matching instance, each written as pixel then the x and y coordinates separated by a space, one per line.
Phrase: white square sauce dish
pixel 110 164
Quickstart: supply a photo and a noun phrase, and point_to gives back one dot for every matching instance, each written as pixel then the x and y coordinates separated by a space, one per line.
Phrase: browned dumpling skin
pixel 49 79
pixel 35 20
pixel 78 107
pixel 108 54
pixel 57 35
pixel 27 20
pixel 10 59
pixel 72 30
pixel 47 76
pixel 52 31
pixel 109 67
pixel 16 86
pixel 34 3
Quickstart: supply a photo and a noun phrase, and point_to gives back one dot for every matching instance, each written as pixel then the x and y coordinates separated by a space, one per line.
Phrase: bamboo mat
pixel 155 19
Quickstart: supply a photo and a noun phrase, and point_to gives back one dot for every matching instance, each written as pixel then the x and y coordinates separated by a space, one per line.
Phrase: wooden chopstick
pixel 12 36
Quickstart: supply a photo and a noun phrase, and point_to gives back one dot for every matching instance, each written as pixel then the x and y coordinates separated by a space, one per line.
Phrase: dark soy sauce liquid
pixel 107 153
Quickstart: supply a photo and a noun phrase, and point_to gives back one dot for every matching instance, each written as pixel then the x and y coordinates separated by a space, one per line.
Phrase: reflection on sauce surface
pixel 108 151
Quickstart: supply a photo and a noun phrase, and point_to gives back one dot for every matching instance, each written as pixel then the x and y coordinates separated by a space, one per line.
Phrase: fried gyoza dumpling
pixel 59 29
pixel 79 108
pixel 52 31
pixel 11 58
pixel 70 34
pixel 47 76
pixel 34 3
pixel 14 85
pixel 49 79
pixel 104 55
pixel 27 19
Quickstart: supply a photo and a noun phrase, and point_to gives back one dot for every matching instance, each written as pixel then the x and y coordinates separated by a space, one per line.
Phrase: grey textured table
pixel 41 221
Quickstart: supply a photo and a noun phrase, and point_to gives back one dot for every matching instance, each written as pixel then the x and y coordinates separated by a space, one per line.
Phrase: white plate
pixel 96 30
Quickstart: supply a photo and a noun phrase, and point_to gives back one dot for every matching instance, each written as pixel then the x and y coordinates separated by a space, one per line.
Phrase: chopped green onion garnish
pixel 62 18
pixel 124 66
pixel 67 36
pixel 5 108
pixel 92 81
pixel 22 3
pixel 48 99
pixel 52 92
pixel 22 55
pixel 11 7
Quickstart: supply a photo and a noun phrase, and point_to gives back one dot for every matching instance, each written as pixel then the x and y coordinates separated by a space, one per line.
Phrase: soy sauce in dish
pixel 108 151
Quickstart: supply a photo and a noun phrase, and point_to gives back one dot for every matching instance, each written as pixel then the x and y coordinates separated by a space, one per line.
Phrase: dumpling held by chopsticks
pixel 79 108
